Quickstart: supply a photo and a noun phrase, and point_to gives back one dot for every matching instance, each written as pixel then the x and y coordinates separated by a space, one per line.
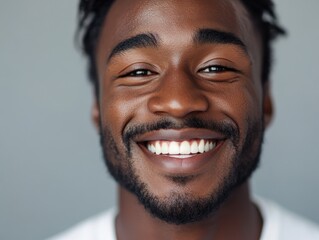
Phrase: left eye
pixel 216 69
pixel 138 73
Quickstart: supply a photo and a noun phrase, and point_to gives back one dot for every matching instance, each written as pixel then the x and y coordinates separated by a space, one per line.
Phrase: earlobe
pixel 268 110
pixel 95 114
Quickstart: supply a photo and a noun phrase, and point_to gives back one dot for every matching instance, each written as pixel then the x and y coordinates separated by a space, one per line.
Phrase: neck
pixel 237 216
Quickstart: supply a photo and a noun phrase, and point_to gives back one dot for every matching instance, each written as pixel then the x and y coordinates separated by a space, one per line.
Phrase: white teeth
pixel 181 148
pixel 164 148
pixel 194 147
pixel 185 148
pixel 211 145
pixel 153 149
pixel 173 148
pixel 158 149
pixel 206 148
pixel 201 146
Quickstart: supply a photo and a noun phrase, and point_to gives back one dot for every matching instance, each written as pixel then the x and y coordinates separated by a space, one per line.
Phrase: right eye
pixel 138 73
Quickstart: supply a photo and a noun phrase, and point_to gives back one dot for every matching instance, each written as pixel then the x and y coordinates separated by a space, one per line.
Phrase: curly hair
pixel 92 14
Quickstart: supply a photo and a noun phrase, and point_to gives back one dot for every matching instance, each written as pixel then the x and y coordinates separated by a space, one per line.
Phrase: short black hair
pixel 92 14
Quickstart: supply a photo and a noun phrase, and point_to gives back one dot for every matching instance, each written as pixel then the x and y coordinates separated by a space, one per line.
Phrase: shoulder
pixel 97 227
pixel 280 223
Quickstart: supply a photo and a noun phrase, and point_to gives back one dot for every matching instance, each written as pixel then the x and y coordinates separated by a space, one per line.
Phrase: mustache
pixel 226 128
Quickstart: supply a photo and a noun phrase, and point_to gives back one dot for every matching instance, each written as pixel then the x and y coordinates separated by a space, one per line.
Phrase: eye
pixel 138 73
pixel 217 69
pixel 219 73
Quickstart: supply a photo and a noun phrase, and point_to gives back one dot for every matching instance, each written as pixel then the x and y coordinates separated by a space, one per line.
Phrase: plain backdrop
pixel 51 171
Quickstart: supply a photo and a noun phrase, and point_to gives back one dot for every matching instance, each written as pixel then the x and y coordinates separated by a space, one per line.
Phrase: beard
pixel 182 208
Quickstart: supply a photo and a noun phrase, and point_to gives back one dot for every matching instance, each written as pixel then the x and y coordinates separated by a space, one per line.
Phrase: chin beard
pixel 182 208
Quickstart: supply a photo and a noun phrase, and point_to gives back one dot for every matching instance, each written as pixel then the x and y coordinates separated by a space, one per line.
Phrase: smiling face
pixel 181 106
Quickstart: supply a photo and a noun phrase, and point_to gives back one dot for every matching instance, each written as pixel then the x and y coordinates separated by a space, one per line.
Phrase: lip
pixel 190 165
pixel 180 135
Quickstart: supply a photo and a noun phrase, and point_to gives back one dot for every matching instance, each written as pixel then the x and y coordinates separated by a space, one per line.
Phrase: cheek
pixel 113 113
pixel 241 102
pixel 118 107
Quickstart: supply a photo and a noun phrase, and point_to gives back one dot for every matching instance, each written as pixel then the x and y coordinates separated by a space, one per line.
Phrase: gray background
pixel 51 170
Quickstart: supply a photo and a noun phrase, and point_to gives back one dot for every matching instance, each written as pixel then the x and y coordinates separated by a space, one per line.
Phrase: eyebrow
pixel 138 41
pixel 213 36
pixel 202 36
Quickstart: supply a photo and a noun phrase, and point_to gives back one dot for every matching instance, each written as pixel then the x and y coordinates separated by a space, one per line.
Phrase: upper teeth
pixel 178 148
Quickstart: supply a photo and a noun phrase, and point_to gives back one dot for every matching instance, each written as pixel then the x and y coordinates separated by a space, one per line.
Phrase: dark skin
pixel 211 80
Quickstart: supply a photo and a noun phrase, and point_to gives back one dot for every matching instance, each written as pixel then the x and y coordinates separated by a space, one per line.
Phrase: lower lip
pixel 180 165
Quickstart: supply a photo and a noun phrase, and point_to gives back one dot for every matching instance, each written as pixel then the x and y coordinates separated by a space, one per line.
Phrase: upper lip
pixel 179 135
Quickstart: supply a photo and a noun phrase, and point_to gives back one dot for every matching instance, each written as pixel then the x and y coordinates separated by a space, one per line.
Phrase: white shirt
pixel 278 224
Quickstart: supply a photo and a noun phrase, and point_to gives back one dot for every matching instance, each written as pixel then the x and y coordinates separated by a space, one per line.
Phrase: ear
pixel 267 105
pixel 95 114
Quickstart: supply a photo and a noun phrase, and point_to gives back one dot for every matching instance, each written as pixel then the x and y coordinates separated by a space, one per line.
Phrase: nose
pixel 178 96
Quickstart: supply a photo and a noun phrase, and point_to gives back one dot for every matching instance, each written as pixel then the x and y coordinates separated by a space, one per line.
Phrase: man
pixel 181 102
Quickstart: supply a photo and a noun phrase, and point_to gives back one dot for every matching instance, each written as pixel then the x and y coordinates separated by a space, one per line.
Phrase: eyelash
pixel 138 73
pixel 218 69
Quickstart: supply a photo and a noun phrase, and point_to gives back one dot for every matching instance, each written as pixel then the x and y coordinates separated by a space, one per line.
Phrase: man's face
pixel 181 104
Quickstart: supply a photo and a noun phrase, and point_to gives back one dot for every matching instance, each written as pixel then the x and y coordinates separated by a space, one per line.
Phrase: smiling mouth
pixel 176 152
pixel 181 149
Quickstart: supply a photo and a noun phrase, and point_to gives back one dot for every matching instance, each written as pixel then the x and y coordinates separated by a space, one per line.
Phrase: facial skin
pixel 190 72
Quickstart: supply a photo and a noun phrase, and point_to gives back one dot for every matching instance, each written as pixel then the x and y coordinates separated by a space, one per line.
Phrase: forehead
pixel 175 22
pixel 140 14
